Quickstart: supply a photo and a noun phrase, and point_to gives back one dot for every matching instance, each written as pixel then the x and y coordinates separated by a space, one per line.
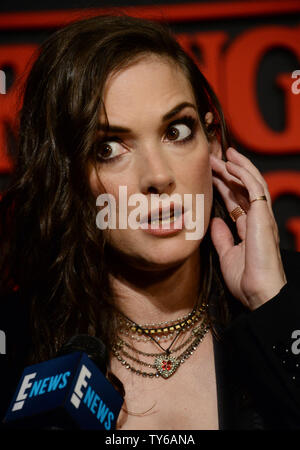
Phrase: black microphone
pixel 92 346
pixel 67 392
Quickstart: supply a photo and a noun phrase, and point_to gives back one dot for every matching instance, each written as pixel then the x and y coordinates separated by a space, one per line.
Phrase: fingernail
pixel 233 149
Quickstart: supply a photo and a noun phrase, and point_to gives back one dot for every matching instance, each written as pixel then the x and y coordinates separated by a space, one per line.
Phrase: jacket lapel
pixel 236 410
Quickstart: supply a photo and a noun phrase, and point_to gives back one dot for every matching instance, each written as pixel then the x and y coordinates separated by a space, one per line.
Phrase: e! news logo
pixel 39 387
pixel 82 394
pixel 91 399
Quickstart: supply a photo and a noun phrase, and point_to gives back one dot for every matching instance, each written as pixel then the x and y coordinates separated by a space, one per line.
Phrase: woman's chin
pixel 164 257
pixel 151 252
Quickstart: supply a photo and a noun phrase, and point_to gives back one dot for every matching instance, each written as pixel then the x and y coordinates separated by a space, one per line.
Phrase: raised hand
pixel 252 269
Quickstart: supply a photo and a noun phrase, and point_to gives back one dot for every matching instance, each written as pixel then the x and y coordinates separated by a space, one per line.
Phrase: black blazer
pixel 257 373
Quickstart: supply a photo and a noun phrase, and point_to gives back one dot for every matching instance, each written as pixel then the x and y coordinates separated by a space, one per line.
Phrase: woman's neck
pixel 157 296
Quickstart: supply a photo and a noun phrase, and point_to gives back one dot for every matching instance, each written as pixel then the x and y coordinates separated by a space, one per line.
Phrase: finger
pixel 231 203
pixel 259 218
pixel 255 189
pixel 234 184
pixel 253 186
pixel 219 166
pixel 241 160
pixel 236 157
pixel 221 236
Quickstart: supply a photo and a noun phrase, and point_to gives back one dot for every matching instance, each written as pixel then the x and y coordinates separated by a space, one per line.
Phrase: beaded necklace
pixel 165 362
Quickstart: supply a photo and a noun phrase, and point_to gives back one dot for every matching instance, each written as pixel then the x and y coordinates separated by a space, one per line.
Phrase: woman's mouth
pixel 164 222
pixel 165 219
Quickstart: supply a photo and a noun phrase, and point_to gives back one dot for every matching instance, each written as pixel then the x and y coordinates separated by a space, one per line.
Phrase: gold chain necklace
pixel 121 343
pixel 162 328
pixel 143 338
pixel 165 364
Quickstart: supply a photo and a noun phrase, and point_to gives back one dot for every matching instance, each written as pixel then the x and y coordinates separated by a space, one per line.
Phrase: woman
pixel 114 102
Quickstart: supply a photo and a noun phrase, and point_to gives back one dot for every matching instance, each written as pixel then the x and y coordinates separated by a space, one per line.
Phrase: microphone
pixel 67 392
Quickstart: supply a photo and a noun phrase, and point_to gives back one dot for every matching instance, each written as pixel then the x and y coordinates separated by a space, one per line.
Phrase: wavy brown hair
pixel 50 245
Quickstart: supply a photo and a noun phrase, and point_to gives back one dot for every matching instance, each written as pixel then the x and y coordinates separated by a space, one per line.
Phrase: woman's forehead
pixel 148 85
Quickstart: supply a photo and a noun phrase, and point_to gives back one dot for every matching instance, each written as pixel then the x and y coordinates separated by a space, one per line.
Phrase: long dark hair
pixel 51 249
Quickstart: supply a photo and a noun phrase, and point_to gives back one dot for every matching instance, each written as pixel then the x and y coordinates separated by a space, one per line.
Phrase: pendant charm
pixel 166 365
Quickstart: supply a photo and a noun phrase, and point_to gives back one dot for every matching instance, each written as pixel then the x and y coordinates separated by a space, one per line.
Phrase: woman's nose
pixel 155 174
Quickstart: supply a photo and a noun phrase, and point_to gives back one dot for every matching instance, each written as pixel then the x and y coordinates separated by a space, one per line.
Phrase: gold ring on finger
pixel 261 197
pixel 236 212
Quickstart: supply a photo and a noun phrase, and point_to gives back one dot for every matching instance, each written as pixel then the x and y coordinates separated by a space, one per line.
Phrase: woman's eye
pixel 109 150
pixel 178 132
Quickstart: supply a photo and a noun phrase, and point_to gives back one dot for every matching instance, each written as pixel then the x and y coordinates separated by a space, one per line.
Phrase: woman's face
pixel 159 151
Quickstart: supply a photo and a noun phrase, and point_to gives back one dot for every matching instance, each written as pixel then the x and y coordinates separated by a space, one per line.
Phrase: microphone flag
pixel 65 392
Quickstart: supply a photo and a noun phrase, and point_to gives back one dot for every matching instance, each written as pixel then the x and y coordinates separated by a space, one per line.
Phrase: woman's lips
pixel 171 225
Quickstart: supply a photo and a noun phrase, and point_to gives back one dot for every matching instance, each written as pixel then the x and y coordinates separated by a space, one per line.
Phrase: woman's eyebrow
pixel 165 117
pixel 177 109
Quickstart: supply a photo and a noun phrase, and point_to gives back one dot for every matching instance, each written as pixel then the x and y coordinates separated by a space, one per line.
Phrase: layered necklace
pixel 164 363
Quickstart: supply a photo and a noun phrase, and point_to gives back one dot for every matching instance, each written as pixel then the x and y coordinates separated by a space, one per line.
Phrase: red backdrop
pixel 248 50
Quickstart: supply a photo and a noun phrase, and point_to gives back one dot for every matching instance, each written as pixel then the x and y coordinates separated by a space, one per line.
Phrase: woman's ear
pixel 214 145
